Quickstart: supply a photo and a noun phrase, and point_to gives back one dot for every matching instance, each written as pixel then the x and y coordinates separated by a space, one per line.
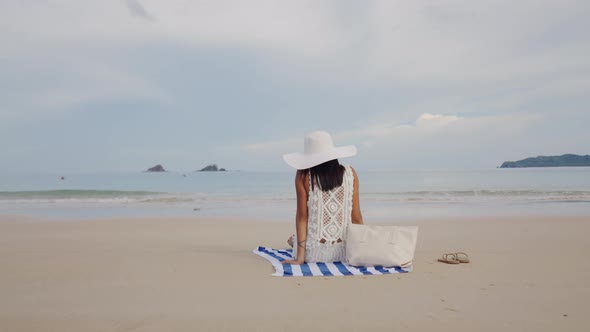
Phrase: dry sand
pixel 200 275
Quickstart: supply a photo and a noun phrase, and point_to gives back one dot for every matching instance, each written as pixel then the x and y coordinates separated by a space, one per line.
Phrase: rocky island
pixel 566 160
pixel 157 168
pixel 211 168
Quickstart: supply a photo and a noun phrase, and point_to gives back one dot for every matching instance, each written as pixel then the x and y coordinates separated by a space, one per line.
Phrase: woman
pixel 327 200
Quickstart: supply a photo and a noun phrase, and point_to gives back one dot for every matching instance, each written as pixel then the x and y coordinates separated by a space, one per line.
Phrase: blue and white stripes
pixel 276 256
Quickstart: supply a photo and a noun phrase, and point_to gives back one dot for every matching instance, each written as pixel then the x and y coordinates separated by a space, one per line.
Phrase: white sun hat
pixel 318 148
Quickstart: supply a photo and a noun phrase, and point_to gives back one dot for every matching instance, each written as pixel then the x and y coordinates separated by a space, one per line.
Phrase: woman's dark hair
pixel 328 175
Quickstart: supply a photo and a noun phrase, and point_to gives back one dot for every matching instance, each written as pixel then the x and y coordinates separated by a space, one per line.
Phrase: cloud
pixel 425 124
pixel 72 82
pixel 430 120
pixel 278 146
pixel 430 141
pixel 411 44
pixel 390 76
pixel 136 9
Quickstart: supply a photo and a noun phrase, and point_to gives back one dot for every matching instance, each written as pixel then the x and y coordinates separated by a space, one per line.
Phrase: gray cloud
pixel 136 9
pixel 365 71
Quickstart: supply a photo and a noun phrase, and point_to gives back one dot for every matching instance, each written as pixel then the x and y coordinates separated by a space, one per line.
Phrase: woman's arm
pixel 301 218
pixel 357 217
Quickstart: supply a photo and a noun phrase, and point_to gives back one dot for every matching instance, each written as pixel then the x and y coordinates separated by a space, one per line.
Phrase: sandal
pixel 449 259
pixel 461 257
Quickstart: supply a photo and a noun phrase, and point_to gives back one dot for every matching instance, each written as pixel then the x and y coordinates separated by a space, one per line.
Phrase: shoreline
pixel 378 211
pixel 270 195
pixel 288 222
pixel 153 274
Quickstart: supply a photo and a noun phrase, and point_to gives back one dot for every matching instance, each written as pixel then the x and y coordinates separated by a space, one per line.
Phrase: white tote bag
pixel 381 245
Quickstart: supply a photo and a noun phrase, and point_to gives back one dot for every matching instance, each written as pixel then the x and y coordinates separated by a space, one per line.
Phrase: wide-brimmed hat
pixel 318 148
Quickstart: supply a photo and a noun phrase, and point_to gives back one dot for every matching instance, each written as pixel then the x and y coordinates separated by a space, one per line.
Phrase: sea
pixel 270 196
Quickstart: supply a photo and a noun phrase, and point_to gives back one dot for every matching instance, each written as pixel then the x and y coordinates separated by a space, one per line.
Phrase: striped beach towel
pixel 276 256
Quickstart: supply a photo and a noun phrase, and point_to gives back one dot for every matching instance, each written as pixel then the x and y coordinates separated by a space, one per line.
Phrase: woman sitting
pixel 327 200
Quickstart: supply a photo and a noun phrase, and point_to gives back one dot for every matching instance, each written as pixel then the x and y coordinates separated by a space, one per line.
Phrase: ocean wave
pixel 99 197
pixel 146 198
pixel 482 195
pixel 168 200
pixel 73 194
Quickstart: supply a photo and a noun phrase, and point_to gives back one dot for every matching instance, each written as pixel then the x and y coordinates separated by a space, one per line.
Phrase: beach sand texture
pixel 526 274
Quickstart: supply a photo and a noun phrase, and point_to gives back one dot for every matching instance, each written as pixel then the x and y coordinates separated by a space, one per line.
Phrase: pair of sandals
pixel 454 258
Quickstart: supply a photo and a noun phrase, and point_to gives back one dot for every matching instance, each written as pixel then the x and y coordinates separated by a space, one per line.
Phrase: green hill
pixel 566 160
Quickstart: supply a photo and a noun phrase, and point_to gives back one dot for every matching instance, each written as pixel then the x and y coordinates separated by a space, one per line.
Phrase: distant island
pixel 157 168
pixel 211 168
pixel 566 160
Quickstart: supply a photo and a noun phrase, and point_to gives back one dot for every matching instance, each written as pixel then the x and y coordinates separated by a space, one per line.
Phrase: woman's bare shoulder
pixel 302 178
pixel 301 175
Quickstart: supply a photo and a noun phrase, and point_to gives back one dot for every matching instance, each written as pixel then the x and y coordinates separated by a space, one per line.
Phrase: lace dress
pixel 329 214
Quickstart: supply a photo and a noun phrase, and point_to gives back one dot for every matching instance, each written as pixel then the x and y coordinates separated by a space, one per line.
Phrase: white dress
pixel 329 214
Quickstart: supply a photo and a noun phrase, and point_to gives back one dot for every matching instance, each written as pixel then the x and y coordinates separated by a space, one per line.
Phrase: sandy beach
pixel 191 274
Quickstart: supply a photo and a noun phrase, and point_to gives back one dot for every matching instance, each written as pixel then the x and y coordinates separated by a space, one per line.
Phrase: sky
pixel 123 85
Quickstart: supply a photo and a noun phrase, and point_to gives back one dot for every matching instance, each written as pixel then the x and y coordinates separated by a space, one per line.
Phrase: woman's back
pixel 329 214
